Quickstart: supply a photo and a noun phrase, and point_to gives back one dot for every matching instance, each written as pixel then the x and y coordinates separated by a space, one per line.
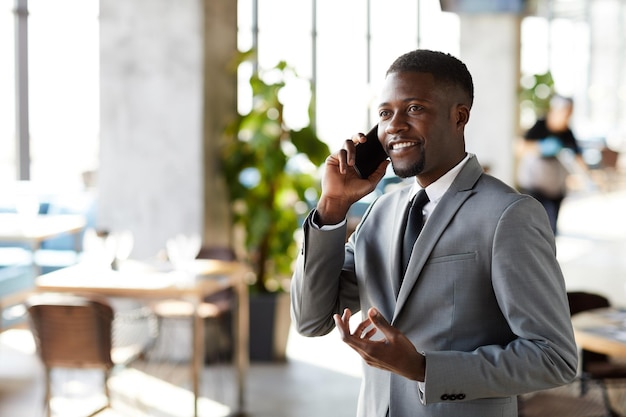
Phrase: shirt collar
pixel 437 189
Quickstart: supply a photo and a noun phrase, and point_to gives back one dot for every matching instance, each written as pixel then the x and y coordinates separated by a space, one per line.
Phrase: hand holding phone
pixel 369 155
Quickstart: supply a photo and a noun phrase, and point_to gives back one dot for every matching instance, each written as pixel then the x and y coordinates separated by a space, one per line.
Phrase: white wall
pixel 151 120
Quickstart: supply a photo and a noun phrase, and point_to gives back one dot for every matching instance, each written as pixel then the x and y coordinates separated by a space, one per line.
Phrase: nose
pixel 395 124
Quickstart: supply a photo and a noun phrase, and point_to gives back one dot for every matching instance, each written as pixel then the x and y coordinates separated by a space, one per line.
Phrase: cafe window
pixel 344 47
pixel 8 139
pixel 64 89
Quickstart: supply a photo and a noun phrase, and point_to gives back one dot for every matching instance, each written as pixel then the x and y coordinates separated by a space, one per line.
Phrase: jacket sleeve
pixel 323 282
pixel 530 291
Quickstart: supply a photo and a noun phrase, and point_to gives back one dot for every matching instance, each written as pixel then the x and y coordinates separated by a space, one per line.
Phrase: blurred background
pixel 120 110
pixel 132 98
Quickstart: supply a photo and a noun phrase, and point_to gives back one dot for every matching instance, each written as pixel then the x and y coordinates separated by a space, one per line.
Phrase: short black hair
pixel 444 67
pixel 559 101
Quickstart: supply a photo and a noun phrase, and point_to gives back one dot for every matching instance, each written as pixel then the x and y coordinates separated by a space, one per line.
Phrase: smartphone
pixel 370 154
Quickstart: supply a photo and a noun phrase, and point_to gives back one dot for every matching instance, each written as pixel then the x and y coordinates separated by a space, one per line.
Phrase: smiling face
pixel 421 125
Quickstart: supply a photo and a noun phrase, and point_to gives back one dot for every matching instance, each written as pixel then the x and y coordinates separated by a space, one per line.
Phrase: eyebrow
pixel 406 100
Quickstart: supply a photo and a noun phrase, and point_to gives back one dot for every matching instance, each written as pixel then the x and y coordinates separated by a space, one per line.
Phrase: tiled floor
pixel 296 388
pixel 321 376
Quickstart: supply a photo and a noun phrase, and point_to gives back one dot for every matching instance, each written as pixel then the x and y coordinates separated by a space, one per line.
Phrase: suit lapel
pixel 448 206
pixel 384 298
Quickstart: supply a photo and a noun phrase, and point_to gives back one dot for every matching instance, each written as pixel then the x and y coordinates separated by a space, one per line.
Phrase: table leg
pixel 241 332
pixel 35 246
pixel 77 242
pixel 197 362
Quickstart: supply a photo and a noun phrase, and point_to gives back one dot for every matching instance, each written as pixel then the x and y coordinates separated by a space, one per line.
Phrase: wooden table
pixel 601 330
pixel 15 228
pixel 34 230
pixel 139 280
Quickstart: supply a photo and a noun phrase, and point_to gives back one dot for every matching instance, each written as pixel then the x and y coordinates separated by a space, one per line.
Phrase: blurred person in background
pixel 544 166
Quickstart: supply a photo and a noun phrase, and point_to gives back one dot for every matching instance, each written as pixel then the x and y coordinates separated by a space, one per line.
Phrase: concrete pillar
pixel 490 45
pixel 164 99
pixel 220 108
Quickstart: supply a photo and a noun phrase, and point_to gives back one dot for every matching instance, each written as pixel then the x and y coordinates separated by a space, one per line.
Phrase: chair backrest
pixel 580 301
pixel 217 252
pixel 71 331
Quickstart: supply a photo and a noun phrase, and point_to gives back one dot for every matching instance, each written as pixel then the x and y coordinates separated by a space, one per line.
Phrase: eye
pixel 415 108
pixel 383 114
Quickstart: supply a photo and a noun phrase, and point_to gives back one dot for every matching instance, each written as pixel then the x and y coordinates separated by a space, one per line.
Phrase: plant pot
pixel 270 321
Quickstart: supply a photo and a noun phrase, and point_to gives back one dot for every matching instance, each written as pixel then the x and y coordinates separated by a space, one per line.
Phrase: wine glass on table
pixel 181 251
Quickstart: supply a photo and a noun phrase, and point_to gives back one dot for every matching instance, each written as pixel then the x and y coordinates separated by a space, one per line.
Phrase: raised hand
pixel 341 185
pixel 382 345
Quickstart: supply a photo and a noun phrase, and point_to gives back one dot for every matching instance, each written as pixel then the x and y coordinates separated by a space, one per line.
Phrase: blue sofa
pixel 17 272
pixel 16 283
pixel 60 251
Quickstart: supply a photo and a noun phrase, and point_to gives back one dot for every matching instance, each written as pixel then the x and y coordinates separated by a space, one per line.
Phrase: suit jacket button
pixel 460 397
pixel 444 397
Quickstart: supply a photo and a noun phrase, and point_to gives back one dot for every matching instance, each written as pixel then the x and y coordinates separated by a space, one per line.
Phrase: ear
pixel 462 114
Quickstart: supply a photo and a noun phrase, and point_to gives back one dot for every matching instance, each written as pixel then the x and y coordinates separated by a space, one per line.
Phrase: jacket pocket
pixel 453 258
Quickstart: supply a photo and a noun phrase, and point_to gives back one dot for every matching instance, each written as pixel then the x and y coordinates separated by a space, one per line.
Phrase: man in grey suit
pixel 481 313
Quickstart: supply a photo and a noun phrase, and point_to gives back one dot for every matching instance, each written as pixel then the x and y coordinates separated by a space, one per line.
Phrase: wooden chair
pixel 595 367
pixel 73 331
pixel 215 310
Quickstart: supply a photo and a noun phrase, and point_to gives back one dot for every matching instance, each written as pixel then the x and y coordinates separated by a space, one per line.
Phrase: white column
pixel 490 49
pixel 151 152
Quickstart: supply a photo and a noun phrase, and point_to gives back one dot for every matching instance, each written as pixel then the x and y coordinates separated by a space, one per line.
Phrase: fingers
pixel 374 315
pixel 339 325
pixel 379 322
pixel 350 146
pixel 349 150
pixel 370 333
pixel 362 331
pixel 343 323
pixel 357 138
pixel 394 352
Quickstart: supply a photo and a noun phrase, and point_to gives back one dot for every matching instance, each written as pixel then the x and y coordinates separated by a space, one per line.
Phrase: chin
pixel 407 171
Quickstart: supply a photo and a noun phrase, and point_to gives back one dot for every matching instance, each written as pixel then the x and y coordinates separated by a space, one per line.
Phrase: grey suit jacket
pixel 483 298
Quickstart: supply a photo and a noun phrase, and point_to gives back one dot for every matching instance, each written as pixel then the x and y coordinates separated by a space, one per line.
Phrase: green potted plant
pixel 535 91
pixel 271 171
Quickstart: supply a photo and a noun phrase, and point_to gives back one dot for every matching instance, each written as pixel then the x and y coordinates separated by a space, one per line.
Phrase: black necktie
pixel 414 224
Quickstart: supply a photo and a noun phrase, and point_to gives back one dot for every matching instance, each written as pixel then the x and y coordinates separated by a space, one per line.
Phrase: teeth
pixel 402 145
